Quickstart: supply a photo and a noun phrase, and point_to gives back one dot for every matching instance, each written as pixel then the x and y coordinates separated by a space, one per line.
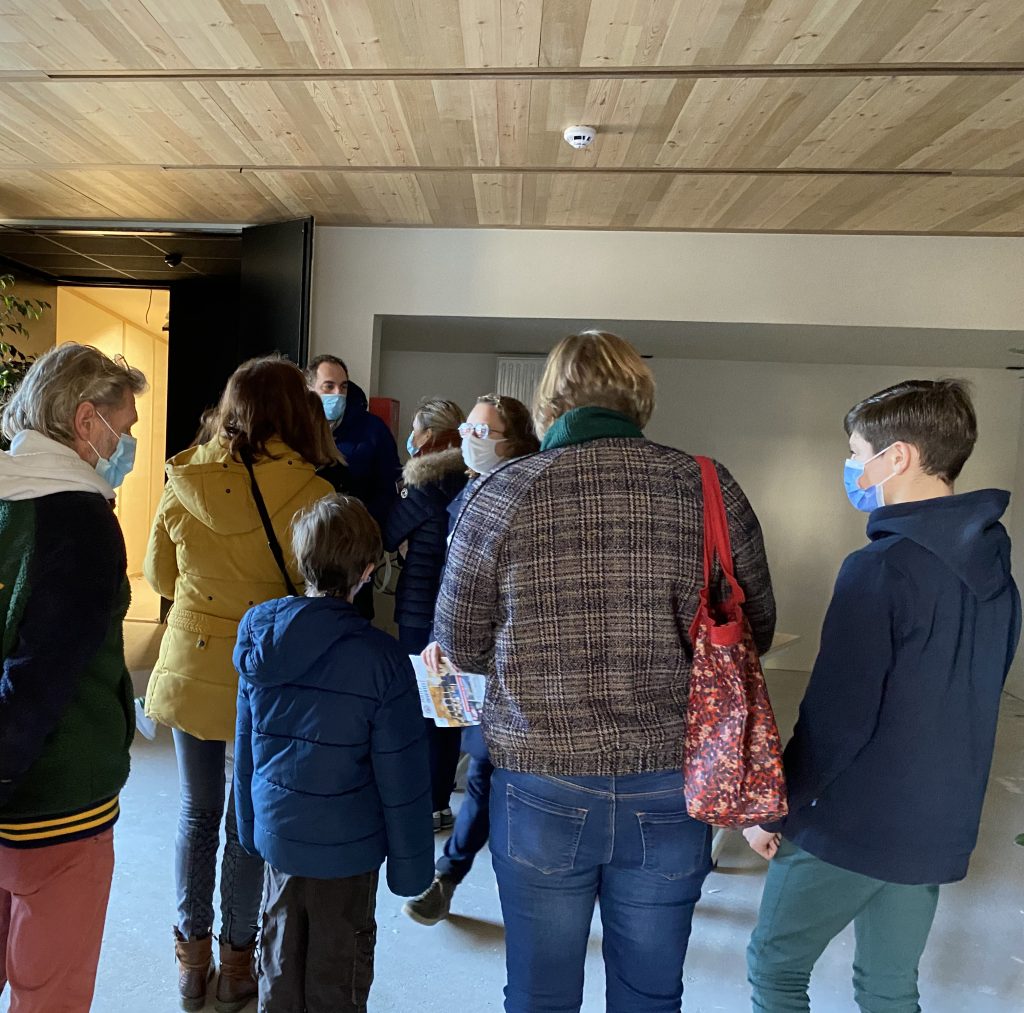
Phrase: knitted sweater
pixel 572 579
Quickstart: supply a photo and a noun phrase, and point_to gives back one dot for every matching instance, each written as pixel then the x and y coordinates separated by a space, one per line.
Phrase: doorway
pixel 130 322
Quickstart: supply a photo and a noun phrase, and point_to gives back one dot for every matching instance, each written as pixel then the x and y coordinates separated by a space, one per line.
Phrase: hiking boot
pixel 237 983
pixel 443 820
pixel 433 905
pixel 195 969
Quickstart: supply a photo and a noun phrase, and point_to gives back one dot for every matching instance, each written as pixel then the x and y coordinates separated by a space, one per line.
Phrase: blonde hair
pixel 594 369
pixel 443 419
pixel 59 381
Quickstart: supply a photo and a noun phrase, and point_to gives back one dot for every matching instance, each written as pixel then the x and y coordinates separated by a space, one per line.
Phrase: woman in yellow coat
pixel 209 552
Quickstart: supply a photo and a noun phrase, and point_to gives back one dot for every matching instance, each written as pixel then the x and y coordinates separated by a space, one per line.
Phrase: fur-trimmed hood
pixel 423 469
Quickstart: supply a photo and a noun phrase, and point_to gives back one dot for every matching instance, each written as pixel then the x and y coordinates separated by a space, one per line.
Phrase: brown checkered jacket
pixel 572 580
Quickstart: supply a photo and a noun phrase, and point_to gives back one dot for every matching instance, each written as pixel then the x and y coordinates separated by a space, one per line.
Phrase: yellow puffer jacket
pixel 208 552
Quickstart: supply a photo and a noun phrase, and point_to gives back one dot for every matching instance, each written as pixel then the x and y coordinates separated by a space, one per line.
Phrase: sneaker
pixel 433 906
pixel 443 820
pixel 146 726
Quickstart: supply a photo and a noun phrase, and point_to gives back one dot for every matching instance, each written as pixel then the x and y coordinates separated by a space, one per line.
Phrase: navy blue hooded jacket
pixel 420 518
pixel 371 455
pixel 331 770
pixel 888 763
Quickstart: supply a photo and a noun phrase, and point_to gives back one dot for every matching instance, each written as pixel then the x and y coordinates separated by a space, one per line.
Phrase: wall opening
pixel 130 322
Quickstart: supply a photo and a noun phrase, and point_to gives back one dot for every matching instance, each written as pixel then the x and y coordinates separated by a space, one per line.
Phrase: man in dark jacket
pixel 364 439
pixel 66 707
pixel 888 764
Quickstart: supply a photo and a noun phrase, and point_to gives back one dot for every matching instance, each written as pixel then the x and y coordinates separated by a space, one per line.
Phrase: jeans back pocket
pixel 675 845
pixel 541 834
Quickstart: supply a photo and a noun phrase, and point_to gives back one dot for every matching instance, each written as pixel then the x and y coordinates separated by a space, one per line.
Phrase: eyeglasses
pixel 481 430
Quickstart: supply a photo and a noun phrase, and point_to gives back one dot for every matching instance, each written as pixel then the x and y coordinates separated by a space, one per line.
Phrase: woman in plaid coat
pixel 572 580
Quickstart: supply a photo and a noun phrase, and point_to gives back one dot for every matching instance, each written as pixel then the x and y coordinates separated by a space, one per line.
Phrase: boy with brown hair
pixel 331 773
pixel 889 760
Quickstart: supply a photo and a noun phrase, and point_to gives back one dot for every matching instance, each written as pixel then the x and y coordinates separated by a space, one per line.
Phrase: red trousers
pixel 53 902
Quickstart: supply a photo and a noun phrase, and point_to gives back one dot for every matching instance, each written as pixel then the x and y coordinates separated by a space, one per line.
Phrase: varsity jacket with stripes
pixel 66 702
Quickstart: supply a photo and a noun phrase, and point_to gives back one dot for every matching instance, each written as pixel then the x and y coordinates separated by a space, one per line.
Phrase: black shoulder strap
pixel 268 528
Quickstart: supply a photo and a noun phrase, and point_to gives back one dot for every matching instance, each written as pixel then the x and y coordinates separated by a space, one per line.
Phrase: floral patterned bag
pixel 733 761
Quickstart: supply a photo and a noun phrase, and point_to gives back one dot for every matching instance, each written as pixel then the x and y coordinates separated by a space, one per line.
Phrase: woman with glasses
pixel 498 430
pixel 433 476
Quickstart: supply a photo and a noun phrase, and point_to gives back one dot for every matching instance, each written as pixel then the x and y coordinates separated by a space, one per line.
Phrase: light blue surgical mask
pixel 115 469
pixel 410 446
pixel 334 406
pixel 867 499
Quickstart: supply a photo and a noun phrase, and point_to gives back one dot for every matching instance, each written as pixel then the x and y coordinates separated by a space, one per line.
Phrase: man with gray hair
pixel 66 708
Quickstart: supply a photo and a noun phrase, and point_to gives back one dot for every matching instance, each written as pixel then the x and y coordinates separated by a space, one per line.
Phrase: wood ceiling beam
pixel 788 70
pixel 501 170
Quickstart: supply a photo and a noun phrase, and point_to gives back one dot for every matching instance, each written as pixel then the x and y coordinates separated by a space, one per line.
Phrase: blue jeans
pixel 473 822
pixel 560 844
pixel 201 769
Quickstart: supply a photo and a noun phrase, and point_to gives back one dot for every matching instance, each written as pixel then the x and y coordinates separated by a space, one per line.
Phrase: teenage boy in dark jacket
pixel 331 773
pixel 888 764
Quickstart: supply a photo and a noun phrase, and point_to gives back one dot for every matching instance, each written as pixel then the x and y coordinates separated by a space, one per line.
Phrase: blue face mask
pixel 115 469
pixel 410 446
pixel 867 499
pixel 334 406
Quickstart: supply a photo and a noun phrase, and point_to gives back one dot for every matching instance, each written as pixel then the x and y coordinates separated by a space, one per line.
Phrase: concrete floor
pixel 974 963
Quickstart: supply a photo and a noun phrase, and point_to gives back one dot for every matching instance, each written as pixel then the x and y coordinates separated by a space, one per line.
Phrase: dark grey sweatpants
pixel 316 943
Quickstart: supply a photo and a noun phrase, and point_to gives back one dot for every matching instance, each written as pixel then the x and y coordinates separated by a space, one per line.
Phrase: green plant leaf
pixel 1020 839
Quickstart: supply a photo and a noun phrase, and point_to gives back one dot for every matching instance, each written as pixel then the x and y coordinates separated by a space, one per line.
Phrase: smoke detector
pixel 580 137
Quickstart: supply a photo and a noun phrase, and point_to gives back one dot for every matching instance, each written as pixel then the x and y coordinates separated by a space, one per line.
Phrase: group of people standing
pixel 557 551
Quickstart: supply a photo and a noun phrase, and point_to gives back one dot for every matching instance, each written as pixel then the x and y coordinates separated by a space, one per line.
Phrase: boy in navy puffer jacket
pixel 331 771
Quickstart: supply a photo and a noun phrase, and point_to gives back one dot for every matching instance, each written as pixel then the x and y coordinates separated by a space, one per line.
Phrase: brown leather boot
pixel 195 969
pixel 237 983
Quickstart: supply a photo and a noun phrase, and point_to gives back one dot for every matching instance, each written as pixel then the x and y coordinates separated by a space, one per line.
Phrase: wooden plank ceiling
pixel 791 115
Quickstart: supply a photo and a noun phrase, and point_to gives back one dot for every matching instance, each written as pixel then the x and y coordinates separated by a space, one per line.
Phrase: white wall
pixel 784 437
pixel 411 376
pixel 893 281
pixel 779 428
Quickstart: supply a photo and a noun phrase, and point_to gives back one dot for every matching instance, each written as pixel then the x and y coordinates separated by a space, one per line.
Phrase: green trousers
pixel 806 903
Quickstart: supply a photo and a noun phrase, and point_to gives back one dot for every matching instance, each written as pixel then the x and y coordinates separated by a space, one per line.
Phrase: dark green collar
pixel 584 424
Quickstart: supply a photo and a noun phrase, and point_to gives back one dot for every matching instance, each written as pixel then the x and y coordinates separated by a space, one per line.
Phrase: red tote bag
pixel 733 761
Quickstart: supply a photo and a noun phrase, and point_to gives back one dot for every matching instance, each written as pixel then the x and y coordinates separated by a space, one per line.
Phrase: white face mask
pixel 481 454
